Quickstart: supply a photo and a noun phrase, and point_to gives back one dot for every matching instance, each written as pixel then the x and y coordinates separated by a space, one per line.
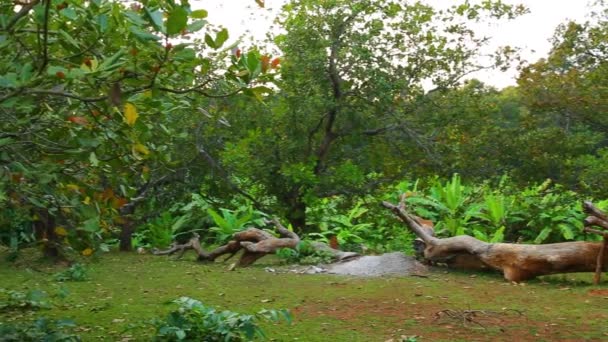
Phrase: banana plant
pixel 345 227
pixel 227 223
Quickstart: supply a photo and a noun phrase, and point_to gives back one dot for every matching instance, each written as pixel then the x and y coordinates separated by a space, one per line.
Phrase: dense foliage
pixel 135 125
pixel 194 321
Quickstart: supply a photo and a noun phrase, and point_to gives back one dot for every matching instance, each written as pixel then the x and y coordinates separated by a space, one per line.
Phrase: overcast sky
pixel 530 32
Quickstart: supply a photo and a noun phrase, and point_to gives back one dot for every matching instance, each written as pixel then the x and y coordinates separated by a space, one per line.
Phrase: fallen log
pixel 255 244
pixel 599 219
pixel 518 262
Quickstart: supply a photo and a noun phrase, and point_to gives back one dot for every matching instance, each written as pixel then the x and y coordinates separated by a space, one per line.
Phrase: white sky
pixel 530 32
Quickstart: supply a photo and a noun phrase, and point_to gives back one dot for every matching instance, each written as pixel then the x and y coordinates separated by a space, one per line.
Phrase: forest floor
pixel 126 291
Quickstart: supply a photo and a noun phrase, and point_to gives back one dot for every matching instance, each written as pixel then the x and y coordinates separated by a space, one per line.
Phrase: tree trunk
pixel 297 214
pixel 518 262
pixel 126 234
pixel 44 230
pixel 255 243
pixel 127 229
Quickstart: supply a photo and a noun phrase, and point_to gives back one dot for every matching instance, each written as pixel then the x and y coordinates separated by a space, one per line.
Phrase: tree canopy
pixel 117 116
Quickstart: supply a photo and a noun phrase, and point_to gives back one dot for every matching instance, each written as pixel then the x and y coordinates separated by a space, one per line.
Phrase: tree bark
pixel 255 243
pixel 518 262
pixel 44 229
pixel 297 214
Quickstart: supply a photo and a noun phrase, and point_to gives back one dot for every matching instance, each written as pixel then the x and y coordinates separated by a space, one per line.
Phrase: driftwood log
pixel 518 262
pixel 255 243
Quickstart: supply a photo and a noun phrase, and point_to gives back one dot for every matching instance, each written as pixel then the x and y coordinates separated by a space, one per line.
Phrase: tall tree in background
pixel 567 94
pixel 352 74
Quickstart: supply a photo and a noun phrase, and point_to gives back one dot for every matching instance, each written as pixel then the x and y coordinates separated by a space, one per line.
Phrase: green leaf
pixel 197 25
pixel 102 22
pixel 543 235
pixel 143 35
pixel 199 14
pixel 499 235
pixel 180 334
pixel 177 21
pixel 5 141
pixel 567 232
pixel 111 62
pixel 209 41
pixel 91 225
pixel 69 13
pixel 69 38
pixel 53 70
pixel 253 63
pixel 156 19
pixel 217 218
pixel 221 38
pixel 179 223
pixel 93 159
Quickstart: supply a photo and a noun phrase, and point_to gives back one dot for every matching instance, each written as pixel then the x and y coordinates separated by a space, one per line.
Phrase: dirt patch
pixel 599 292
pixel 432 322
pixel 379 265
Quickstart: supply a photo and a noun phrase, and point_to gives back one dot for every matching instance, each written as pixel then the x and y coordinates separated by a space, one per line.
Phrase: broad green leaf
pixel 69 13
pixel 91 225
pixel 143 35
pixel 156 18
pixel 93 159
pixel 197 25
pixel 199 14
pixel 5 141
pixel 210 42
pixel 221 38
pixel 177 21
pixel 9 80
pixel 102 22
pixel 112 62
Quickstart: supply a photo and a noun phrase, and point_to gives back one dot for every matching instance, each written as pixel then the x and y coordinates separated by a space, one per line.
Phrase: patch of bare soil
pixel 431 322
pixel 599 292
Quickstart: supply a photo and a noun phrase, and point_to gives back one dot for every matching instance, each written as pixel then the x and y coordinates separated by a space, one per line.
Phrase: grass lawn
pixel 126 291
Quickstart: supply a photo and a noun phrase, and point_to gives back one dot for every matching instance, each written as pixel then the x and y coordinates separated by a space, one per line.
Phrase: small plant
pixel 76 272
pixel 17 300
pixel 232 221
pixel 42 329
pixel 304 254
pixel 346 228
pixel 194 321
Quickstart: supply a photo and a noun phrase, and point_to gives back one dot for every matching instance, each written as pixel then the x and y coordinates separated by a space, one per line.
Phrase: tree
pixel 352 73
pixel 566 94
pixel 96 103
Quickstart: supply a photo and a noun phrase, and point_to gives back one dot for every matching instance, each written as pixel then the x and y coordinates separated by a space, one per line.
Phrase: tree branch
pixel 23 12
pixel 45 38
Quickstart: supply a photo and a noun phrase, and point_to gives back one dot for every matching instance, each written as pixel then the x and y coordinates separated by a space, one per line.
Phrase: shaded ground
pixel 127 290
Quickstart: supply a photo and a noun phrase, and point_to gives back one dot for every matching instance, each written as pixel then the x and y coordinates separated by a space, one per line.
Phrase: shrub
pixel 42 329
pixel 76 272
pixel 304 254
pixel 17 300
pixel 194 321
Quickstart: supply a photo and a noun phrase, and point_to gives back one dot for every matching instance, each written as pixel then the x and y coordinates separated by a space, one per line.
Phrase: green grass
pixel 126 291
